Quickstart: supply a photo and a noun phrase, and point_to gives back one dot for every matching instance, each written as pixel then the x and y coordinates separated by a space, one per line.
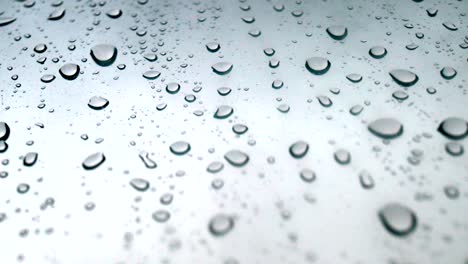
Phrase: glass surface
pixel 144 131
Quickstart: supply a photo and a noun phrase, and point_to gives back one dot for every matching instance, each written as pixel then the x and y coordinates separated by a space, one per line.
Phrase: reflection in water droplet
pixel 386 128
pixel 104 54
pixel 404 77
pixel 94 160
pixel 398 219
pixel 180 147
pixel 220 225
pixel 236 158
pixel 318 65
pixel 299 149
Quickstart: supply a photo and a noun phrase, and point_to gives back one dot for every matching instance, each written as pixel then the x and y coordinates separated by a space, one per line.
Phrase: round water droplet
pixel 386 128
pixel 30 159
pixel 239 129
pixel 400 95
pixel 180 147
pixel 307 175
pixel 337 32
pixel 378 52
pixel 4 131
pixel 47 78
pixel 22 188
pixel 223 112
pixel 40 48
pixel 223 91
pixel 318 65
pixel 354 77
pixel 448 72
pixel 277 84
pixel 104 54
pixel 283 108
pixel 404 77
pixel 236 158
pixel 69 71
pixel 57 14
pixel 172 88
pixel 454 148
pixel 94 160
pixel 299 149
pixel 151 75
pixel 140 184
pixel 114 13
pixel 222 68
pixel 398 219
pixel 220 225
pixel 454 128
pixel 98 102
pixel 356 110
pixel 3 146
pixel 366 180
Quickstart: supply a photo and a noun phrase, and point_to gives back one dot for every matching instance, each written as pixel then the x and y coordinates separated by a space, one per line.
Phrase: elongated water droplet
pixel 222 68
pixel 342 156
pixel 398 219
pixel 149 163
pixel 140 184
pixel 366 180
pixel 94 160
pixel 151 75
pixel 325 100
pixel 404 77
pixel 454 128
pixel 236 158
pixel 386 128
pixel 150 56
pixel 30 159
pixel 47 78
pixel 6 20
pixel 356 110
pixel 114 13
pixel 223 112
pixel 450 26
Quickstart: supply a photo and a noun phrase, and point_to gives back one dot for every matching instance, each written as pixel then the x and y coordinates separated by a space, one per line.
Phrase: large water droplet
pixel 69 71
pixel 98 102
pixel 140 184
pixel 57 14
pixel 222 68
pixel 378 52
pixel 404 77
pixel 223 111
pixel 173 88
pixel 4 131
pixel 448 72
pixel 94 160
pixel 386 128
pixel 114 13
pixel 236 158
pixel 161 216
pixel 104 54
pixel 318 65
pixel 30 159
pixel 398 219
pixel 151 75
pixel 454 128
pixel 6 20
pixel 299 149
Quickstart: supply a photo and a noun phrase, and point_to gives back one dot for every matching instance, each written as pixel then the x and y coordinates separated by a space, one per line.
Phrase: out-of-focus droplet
pixel 220 225
pixel 140 184
pixel 307 175
pixel 215 167
pixel 236 158
pixel 223 112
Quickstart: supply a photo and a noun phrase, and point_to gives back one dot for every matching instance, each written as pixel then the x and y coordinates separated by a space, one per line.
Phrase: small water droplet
pixel 140 184
pixel 30 159
pixel 94 160
pixel 223 112
pixel 337 32
pixel 236 158
pixel 180 147
pixel 299 149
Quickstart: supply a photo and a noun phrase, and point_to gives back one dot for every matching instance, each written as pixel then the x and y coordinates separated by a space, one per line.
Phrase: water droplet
pixel 318 65
pixel 161 216
pixel 342 156
pixel 215 167
pixel 356 110
pixel 150 56
pixel 366 180
pixel 94 160
pixel 6 20
pixel 398 219
pixel 4 131
pixel 277 84
pixel 354 77
pixel 57 14
pixel 299 149
pixel 220 225
pixel 30 159
pixel 213 46
pixel 269 51
pixel 239 129
pixel 22 188
pixel 325 100
pixel 98 102
pixel 149 163
pixel 172 88
pixel 236 158
pixel 450 26
pixel 307 175
pixel 104 54
pixel 140 184
pixel 223 91
pixel 432 12
pixel 448 72
pixel 378 52
pixel 454 128
pixel 180 147
pixel 454 148
pixel 151 75
pixel 114 13
pixel 223 111
pixel 47 78
pixel 3 146
pixel 337 32
pixel 69 71
pixel 387 128
pixel 404 77
pixel 400 95
pixel 283 108
pixel 40 48
pixel 451 192
pixel 222 68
